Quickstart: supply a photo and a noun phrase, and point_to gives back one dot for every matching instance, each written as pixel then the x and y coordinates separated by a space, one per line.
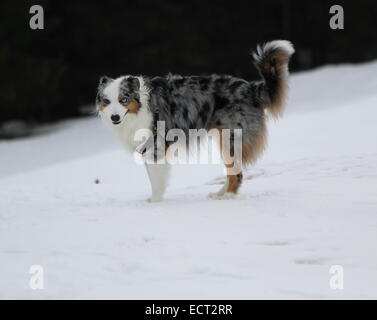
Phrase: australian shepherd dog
pixel 216 102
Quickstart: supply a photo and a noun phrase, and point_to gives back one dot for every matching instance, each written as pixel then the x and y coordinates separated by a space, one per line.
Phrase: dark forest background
pixel 50 74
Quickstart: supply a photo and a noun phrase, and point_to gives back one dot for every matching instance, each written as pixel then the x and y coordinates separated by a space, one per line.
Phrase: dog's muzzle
pixel 115 118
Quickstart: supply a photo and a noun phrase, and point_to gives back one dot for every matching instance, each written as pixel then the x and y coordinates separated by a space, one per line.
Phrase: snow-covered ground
pixel 308 204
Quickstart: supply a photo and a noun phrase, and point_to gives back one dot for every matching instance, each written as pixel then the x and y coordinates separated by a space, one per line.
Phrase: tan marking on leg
pixel 234 181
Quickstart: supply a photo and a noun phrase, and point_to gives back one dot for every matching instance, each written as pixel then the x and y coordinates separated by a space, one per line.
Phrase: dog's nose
pixel 115 117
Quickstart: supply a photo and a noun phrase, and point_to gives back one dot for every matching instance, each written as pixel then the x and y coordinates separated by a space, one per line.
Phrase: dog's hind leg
pixel 231 185
pixel 233 169
pixel 158 176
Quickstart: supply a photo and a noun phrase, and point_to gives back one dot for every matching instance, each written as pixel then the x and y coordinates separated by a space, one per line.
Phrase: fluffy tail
pixel 271 60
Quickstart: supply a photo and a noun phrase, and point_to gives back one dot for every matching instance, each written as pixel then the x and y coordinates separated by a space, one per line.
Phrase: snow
pixel 308 204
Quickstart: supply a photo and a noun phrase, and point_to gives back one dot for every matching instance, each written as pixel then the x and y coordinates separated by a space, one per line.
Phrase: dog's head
pixel 118 99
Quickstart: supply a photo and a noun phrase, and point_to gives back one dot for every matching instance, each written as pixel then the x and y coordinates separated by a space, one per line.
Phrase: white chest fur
pixel 134 127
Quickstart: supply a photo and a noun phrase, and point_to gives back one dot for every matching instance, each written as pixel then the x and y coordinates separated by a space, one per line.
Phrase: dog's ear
pixel 104 80
pixel 135 84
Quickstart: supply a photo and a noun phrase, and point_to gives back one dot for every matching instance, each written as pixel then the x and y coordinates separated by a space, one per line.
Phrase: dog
pixel 130 103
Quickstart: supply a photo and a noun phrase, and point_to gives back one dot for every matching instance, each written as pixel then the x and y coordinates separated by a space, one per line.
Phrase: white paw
pixel 154 199
pixel 225 196
pixel 215 195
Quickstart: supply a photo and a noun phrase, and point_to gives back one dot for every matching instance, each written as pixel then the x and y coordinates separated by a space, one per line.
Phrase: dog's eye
pixel 124 100
pixel 105 101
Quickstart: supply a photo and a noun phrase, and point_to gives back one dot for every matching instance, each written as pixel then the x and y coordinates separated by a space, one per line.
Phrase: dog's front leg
pixel 157 166
pixel 158 176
